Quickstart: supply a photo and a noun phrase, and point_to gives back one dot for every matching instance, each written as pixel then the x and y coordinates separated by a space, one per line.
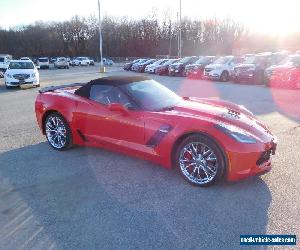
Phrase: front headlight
pixel 8 76
pixel 33 75
pixel 236 133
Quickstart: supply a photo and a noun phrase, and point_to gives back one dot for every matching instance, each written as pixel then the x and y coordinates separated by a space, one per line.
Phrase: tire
pixel 55 127
pixel 207 158
pixel 224 76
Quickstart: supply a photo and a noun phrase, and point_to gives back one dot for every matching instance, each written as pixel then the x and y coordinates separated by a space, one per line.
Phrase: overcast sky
pixel 270 16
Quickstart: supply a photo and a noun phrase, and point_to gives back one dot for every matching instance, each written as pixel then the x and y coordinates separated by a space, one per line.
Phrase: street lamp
pixel 180 40
pixel 102 68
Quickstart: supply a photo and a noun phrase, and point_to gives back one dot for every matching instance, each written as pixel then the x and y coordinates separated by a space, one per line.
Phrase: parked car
pixel 221 69
pixel 61 63
pixel 127 66
pixel 107 62
pixel 92 62
pixel 163 69
pixel 53 59
pixel 21 72
pixel 141 67
pixel 253 68
pixel 4 62
pixel 178 68
pixel 205 139
pixel 286 75
pixel 81 61
pixel 43 62
pixel 136 65
pixel 196 69
pixel 151 67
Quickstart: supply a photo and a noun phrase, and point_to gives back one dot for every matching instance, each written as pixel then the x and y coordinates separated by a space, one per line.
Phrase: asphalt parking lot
pixel 89 198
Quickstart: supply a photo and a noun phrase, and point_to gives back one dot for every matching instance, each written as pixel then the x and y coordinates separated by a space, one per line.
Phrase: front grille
pixel 21 76
pixel 265 157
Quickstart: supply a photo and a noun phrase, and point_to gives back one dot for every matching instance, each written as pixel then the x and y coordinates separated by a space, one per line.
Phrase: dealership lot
pixel 95 199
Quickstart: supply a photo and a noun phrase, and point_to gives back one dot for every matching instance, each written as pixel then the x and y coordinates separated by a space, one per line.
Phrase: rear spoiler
pixel 53 88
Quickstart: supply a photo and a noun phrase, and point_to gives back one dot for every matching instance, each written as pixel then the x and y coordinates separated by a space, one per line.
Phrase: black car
pixel 253 68
pixel 127 66
pixel 141 67
pixel 195 70
pixel 178 68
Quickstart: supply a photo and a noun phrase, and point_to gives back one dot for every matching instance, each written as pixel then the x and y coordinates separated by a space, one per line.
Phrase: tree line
pixel 147 37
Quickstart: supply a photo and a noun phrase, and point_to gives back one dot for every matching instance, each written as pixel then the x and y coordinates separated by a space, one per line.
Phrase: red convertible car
pixel 205 139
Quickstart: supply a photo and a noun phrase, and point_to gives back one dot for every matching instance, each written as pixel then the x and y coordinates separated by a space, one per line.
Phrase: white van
pixel 4 62
pixel 43 62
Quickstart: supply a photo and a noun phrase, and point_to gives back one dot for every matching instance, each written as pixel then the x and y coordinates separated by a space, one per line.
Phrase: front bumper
pixel 175 72
pixel 243 165
pixel 213 74
pixel 151 70
pixel 244 76
pixel 14 82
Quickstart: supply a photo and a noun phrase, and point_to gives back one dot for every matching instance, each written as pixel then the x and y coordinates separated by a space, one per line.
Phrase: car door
pixel 98 124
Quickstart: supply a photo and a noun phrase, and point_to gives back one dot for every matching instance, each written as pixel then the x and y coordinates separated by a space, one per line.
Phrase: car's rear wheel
pixel 58 132
pixel 200 161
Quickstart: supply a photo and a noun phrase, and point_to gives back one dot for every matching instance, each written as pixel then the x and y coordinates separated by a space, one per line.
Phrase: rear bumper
pixel 243 165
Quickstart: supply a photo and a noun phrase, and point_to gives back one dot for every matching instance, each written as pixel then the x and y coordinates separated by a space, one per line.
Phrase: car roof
pixel 109 80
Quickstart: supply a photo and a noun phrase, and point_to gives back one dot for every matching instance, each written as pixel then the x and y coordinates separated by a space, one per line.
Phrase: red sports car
pixel 205 139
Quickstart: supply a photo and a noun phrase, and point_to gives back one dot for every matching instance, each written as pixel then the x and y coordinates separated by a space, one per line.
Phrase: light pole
pixel 102 68
pixel 180 41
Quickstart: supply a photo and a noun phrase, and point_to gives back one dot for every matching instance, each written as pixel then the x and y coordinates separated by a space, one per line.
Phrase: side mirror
pixel 117 107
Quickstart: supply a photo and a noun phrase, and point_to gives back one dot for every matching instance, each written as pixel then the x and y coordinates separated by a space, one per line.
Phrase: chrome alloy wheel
pixel 198 163
pixel 56 132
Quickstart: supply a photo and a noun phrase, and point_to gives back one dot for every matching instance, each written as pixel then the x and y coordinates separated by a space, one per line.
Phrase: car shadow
pixel 88 198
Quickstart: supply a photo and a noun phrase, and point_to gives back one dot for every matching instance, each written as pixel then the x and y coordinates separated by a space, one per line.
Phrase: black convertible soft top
pixel 110 80
pixel 84 88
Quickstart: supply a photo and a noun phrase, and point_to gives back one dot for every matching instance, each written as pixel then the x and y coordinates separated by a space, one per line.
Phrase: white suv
pixel 61 63
pixel 20 72
pixel 221 69
pixel 4 62
pixel 43 62
pixel 83 61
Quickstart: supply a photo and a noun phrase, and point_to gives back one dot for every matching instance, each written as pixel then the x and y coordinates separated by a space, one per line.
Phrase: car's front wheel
pixel 58 132
pixel 200 161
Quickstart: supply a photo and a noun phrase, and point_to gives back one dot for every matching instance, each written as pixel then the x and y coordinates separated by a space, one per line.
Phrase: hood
pixel 282 67
pixel 222 112
pixel 245 66
pixel 20 71
pixel 177 65
pixel 213 66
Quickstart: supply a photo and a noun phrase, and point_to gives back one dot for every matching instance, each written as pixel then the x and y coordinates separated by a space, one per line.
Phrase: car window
pixel 106 94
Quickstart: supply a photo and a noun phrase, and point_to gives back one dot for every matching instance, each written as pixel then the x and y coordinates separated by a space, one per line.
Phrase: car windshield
pixel 291 60
pixel 203 60
pixel 223 60
pixel 151 95
pixel 21 65
pixel 169 62
pixel 43 60
pixel 255 59
pixel 185 60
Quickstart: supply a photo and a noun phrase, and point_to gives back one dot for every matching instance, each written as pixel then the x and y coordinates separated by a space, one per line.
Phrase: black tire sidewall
pixel 69 140
pixel 210 143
